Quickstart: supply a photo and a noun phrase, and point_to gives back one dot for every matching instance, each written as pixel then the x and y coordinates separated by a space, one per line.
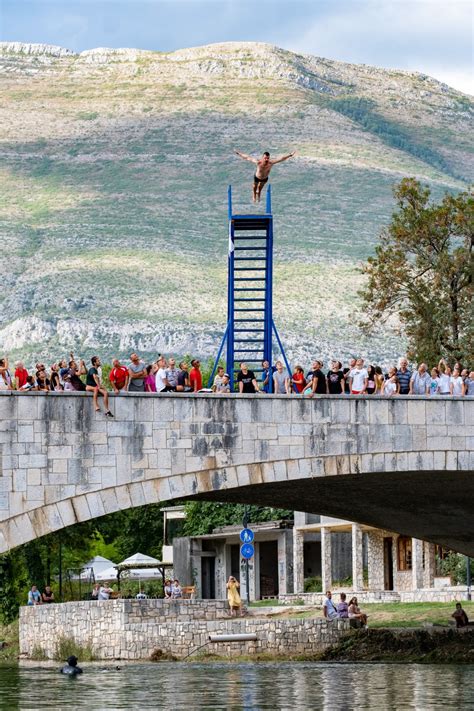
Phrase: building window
pixel 404 553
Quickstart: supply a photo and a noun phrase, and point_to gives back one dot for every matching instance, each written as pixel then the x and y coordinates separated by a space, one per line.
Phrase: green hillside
pixel 113 179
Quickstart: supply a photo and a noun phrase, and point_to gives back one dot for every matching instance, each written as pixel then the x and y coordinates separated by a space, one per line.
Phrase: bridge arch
pixel 405 464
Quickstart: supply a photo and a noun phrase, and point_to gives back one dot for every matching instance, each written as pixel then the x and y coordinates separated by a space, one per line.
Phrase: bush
pixel 314 584
pixel 455 565
pixel 38 654
pixel 66 646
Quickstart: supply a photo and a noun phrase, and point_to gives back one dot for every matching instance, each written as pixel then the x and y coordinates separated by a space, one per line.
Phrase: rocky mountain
pixel 114 171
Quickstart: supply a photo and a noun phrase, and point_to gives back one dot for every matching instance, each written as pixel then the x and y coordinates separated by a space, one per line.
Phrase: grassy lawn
pixel 408 614
pixel 413 614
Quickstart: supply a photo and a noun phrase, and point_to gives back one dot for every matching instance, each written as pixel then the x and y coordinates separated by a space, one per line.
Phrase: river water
pixel 289 686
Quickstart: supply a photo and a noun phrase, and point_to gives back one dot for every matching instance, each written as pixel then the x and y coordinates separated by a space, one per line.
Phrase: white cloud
pixel 431 36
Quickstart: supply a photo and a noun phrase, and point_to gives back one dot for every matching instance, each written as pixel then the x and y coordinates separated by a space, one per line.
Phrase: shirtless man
pixel 264 166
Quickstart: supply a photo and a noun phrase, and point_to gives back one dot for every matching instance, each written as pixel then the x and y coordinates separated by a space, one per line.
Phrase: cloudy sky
pixel 431 36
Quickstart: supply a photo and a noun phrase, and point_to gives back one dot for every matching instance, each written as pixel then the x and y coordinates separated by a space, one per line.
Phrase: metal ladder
pixel 250 326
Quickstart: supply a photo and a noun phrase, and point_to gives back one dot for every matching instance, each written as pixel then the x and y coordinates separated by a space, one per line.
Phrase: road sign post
pixel 246 549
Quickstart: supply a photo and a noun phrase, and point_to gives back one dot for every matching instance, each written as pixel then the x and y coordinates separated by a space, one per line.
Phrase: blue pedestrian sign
pixel 246 535
pixel 247 551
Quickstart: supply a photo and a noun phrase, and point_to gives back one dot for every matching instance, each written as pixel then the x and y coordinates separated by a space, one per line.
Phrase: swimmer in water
pixel 71 667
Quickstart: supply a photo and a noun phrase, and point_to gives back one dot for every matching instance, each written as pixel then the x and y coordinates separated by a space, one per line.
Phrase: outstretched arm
pixel 244 156
pixel 280 160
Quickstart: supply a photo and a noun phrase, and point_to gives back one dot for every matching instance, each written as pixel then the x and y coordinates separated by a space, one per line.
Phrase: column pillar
pixel 430 565
pixel 417 563
pixel 298 561
pixel 357 559
pixel 375 552
pixel 326 559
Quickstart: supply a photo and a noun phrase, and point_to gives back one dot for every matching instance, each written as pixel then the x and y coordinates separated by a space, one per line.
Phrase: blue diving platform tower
pixel 250 326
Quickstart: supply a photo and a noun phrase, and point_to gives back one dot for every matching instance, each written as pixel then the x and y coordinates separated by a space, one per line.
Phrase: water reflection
pixel 286 686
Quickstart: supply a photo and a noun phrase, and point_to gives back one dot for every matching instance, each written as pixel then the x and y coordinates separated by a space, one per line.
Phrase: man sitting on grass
pixel 460 616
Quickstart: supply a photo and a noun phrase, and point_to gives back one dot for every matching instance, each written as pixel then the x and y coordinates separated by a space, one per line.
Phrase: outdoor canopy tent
pixel 136 567
pixel 131 574
pixel 92 569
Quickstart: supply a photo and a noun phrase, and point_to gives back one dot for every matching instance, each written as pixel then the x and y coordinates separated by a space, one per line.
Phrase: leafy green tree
pixel 455 565
pixel 141 530
pixel 203 516
pixel 422 273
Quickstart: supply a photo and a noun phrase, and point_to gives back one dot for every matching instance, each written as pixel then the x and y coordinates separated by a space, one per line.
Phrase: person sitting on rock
pixel 71 667
pixel 355 613
pixel 460 616
pixel 343 608
pixel 47 596
pixel 329 608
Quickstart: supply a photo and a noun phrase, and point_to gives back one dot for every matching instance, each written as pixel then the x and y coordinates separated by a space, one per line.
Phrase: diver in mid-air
pixel 264 166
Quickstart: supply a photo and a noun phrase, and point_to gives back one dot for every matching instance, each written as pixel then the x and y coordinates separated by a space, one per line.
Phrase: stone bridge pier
pixel 403 464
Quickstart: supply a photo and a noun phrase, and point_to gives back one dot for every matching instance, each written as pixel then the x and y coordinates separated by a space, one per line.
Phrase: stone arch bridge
pixel 403 464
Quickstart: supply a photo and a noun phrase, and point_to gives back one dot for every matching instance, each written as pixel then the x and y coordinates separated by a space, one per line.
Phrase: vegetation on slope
pixel 114 176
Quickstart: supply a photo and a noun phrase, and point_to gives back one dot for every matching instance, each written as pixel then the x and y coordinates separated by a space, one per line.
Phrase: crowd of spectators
pixel 164 375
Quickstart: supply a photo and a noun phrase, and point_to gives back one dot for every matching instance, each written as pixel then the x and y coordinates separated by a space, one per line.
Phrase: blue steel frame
pixel 268 326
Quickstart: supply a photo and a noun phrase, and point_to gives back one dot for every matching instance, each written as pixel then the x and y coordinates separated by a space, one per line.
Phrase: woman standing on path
pixel 233 597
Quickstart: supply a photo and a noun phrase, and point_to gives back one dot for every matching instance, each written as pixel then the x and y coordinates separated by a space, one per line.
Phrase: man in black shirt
pixel 318 380
pixel 246 380
pixel 335 378
pixel 94 385
pixel 74 373
pixel 347 372
pixel 182 385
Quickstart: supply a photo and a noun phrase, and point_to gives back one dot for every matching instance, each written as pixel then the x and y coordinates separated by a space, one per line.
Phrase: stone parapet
pixel 116 630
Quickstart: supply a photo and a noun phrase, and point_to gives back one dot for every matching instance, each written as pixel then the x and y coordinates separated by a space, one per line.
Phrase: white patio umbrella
pixel 95 565
pixel 129 574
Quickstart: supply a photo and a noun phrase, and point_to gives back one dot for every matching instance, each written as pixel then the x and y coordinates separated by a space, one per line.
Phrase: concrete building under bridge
pixel 207 561
pixel 382 565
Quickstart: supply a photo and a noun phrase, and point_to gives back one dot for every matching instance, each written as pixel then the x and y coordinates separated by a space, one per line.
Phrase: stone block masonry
pixel 398 464
pixel 132 629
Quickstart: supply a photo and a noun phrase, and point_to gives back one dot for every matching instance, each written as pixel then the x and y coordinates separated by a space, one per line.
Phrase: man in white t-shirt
pixel 161 382
pixel 358 378
pixel 329 608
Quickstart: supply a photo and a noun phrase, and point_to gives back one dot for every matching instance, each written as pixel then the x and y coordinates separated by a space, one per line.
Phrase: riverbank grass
pixel 9 636
pixel 399 614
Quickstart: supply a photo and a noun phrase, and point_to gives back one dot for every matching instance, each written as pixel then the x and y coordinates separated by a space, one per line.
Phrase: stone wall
pixel 132 629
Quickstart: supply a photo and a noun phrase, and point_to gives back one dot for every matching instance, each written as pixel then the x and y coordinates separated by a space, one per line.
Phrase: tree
pixel 203 516
pixel 422 273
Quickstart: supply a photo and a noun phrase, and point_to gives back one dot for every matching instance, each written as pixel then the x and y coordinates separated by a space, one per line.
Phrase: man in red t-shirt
pixel 21 375
pixel 118 376
pixel 195 376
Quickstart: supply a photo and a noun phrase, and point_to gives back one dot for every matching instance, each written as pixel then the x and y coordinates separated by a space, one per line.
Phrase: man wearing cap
pixel 71 667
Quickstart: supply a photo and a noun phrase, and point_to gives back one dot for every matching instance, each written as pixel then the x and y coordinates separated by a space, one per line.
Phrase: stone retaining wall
pixel 132 629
